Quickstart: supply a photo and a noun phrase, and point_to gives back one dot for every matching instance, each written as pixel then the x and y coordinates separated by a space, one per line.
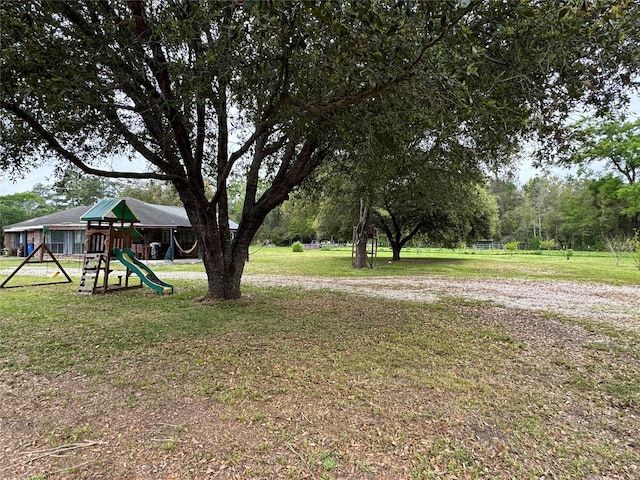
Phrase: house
pixel 165 231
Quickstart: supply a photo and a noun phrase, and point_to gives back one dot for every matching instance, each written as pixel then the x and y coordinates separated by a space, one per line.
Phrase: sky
pixel 44 174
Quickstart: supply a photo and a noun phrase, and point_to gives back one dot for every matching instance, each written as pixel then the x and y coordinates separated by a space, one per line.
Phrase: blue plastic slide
pixel 127 257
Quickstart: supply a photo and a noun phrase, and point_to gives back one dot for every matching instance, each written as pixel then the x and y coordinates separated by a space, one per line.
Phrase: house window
pixel 78 241
pixel 185 237
pixel 56 241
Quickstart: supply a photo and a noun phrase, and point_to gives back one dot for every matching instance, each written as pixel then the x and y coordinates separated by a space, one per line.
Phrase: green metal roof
pixel 110 209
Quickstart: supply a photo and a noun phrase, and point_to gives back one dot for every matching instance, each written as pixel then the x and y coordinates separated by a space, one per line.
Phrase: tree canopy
pixel 212 92
pixel 18 207
pixel 616 145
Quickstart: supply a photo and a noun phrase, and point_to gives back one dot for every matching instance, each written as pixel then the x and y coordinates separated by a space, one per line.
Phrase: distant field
pixel 582 266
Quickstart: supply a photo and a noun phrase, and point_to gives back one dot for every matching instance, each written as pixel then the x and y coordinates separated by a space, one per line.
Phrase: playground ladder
pixel 90 271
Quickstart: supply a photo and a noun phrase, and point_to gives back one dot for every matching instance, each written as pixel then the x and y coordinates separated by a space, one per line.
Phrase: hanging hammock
pixel 182 250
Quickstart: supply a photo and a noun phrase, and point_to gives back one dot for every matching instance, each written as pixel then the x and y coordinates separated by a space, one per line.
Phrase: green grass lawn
pixel 582 266
pixel 287 383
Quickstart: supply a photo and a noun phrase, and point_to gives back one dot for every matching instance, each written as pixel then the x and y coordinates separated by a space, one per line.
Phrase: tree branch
pixel 53 143
pixel 291 173
pixel 141 107
pixel 112 115
pixel 159 67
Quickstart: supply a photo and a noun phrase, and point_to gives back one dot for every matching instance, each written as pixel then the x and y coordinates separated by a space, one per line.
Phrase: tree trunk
pixel 395 249
pixel 223 277
pixel 223 259
pixel 392 227
pixel 362 235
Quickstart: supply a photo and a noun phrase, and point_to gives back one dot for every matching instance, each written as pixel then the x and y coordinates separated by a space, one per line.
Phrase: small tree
pixel 619 246
pixel 548 244
pixel 511 247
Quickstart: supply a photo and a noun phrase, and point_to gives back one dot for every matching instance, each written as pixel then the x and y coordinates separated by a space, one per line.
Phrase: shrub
pixel 297 247
pixel 535 243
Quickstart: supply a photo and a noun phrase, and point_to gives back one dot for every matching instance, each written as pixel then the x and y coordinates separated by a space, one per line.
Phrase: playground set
pixel 110 234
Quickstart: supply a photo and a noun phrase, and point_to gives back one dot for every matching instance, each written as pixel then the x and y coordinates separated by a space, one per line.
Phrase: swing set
pixel 38 256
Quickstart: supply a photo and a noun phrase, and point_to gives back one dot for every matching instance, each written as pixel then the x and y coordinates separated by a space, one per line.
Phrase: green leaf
pixel 526 11
pixel 563 12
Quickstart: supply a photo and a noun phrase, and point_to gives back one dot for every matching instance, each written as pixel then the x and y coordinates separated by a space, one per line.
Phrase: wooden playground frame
pixel 102 237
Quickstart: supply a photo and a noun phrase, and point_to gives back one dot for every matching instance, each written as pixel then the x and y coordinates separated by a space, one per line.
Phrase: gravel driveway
pixel 619 305
pixel 615 304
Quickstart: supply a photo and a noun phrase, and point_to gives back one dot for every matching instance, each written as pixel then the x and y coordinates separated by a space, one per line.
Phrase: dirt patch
pixel 531 328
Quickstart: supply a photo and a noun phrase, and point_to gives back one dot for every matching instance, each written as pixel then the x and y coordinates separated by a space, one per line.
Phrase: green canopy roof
pixel 110 209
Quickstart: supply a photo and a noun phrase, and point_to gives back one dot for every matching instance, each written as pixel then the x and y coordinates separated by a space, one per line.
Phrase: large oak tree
pixel 266 91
